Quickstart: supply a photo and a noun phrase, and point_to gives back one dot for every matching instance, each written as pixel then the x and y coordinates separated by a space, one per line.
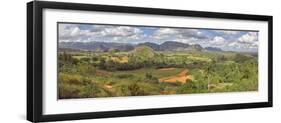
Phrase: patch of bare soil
pixel 108 86
pixel 182 77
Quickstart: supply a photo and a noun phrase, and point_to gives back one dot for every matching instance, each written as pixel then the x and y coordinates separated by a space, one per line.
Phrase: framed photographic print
pixel 96 61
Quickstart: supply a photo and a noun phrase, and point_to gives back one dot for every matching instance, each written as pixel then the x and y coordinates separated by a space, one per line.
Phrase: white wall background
pixel 13 61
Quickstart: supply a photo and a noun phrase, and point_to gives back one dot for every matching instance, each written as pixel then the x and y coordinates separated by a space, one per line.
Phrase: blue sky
pixel 224 39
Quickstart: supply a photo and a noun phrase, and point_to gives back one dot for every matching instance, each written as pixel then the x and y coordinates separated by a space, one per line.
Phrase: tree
pixel 209 71
pixel 151 78
pixel 135 90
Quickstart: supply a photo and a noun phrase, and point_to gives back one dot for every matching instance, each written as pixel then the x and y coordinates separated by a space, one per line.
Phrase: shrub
pixel 86 69
pixel 73 79
pixel 89 90
pixel 68 91
pixel 150 78
pixel 135 90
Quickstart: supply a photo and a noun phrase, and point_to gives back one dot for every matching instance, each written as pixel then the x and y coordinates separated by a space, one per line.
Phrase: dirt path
pixel 181 77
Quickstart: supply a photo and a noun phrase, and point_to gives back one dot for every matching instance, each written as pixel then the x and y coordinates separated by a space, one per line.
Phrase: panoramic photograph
pixel 103 60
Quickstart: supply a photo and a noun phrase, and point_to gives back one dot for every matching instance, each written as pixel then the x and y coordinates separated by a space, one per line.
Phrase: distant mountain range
pixel 212 49
pixel 107 46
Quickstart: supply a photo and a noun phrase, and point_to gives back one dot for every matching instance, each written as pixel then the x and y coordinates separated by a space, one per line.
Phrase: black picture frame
pixel 35 69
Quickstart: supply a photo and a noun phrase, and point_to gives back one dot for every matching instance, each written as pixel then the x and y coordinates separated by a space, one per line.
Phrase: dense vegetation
pixel 143 71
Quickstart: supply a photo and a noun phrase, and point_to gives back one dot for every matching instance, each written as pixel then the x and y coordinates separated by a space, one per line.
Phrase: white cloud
pixel 245 46
pixel 248 41
pixel 121 31
pixel 68 32
pixel 164 33
pixel 182 35
pixel 75 32
pixel 217 40
pixel 248 37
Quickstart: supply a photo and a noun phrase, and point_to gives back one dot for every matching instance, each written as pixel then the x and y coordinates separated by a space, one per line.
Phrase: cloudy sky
pixel 224 39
